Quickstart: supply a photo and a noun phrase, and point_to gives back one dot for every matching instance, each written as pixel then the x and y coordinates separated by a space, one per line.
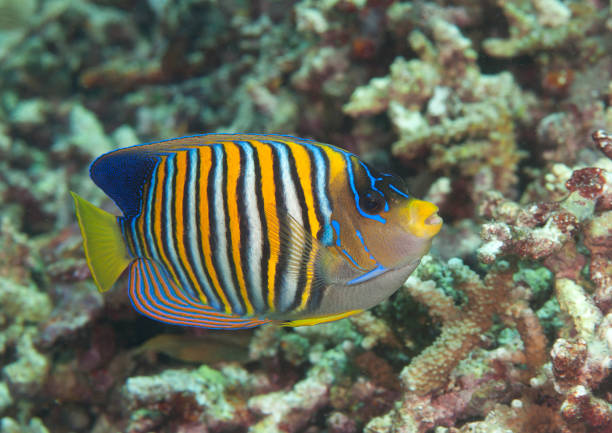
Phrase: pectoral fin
pixel 326 265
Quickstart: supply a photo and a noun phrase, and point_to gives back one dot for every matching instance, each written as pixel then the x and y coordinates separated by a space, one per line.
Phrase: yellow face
pixel 376 222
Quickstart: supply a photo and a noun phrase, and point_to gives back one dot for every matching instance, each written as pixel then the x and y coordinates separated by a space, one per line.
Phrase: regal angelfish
pixel 233 231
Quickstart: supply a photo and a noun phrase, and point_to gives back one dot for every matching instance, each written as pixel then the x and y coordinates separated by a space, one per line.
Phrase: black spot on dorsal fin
pixel 122 175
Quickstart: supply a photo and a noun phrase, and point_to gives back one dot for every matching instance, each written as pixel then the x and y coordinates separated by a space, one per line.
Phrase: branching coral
pixel 441 105
pixel 537 25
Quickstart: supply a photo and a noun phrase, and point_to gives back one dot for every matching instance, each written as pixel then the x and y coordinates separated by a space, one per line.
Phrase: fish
pixel 202 349
pixel 232 231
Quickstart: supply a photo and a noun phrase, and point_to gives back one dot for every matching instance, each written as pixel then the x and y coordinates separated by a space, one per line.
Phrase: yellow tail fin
pixel 105 249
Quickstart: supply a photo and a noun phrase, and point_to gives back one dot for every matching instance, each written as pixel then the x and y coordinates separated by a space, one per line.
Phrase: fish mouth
pixel 423 219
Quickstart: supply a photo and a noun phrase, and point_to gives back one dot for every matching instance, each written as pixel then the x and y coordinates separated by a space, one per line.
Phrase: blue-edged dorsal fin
pixel 122 173
pixel 154 294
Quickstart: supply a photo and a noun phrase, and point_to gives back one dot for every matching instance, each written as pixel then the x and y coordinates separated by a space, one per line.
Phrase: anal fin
pixel 154 294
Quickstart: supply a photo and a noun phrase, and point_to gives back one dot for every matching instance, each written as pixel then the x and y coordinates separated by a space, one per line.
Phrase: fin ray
pixel 105 249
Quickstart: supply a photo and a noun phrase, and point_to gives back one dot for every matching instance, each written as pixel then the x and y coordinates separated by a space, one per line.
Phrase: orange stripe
pixel 181 175
pixel 233 172
pixel 205 155
pixel 337 163
pixel 268 193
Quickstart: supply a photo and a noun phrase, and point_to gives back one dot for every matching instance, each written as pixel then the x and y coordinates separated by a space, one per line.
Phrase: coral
pixel 21 308
pixel 27 374
pixel 186 395
pixel 604 142
pixel 537 25
pixel 583 362
pixel 35 425
pixel 442 106
pixel 5 397
pixel 580 360
pixel 462 329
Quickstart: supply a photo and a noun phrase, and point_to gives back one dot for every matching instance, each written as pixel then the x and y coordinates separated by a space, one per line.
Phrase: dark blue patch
pixel 122 176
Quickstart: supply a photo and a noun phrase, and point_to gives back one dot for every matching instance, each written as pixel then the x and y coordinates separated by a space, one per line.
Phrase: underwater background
pixel 495 110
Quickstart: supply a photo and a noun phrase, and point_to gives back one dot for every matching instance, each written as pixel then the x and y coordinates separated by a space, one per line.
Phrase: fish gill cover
pixel 496 111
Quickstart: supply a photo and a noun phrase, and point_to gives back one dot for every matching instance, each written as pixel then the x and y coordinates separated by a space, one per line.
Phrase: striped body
pixel 229 230
pixel 203 216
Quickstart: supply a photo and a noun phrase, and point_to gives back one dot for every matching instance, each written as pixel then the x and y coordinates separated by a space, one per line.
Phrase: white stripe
pixel 288 291
pixel 221 233
pixel 192 241
pixel 321 183
pixel 171 234
pixel 254 235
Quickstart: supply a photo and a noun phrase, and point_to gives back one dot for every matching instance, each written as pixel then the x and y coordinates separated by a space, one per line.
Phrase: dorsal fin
pixel 122 174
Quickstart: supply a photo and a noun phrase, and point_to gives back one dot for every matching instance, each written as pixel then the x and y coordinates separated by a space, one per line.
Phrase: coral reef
pixel 574 371
pixel 497 111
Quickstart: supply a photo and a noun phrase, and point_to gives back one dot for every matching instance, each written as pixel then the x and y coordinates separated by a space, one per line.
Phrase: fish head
pixel 391 227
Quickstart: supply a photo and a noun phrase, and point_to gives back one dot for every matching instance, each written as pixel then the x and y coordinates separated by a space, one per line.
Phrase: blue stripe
pixel 352 260
pixel 169 230
pixel 336 227
pixel 368 275
pixel 373 181
pixel 320 167
pixel 372 178
pixel 122 221
pixel 148 235
pixel 398 191
pixel 288 283
pixel 147 271
pixel 135 238
pixel 154 281
pixel 358 233
pixel 351 175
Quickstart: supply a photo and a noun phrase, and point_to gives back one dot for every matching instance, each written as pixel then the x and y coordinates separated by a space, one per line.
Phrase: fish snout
pixel 423 219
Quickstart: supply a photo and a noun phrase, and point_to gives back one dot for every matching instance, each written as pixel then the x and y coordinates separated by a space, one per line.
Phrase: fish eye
pixel 372 202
